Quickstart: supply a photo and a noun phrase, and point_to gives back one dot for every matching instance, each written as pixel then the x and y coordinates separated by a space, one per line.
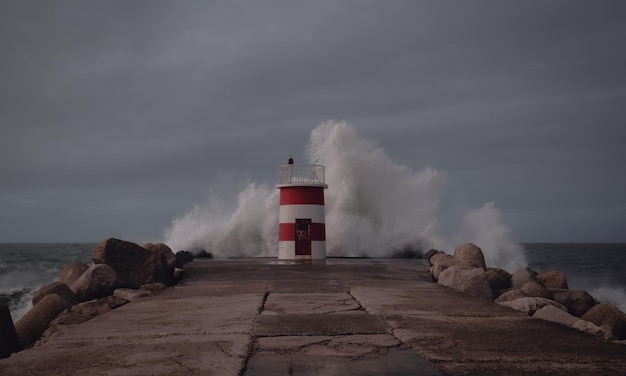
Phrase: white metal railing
pixel 301 174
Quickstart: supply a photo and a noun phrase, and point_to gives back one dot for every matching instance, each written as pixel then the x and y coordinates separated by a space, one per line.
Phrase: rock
pixel 468 254
pixel 554 314
pixel 553 279
pixel 8 339
pixel 530 305
pixel 468 280
pixel 511 295
pixel 182 258
pixel 131 294
pixel 32 325
pixel 165 273
pixel 603 331
pixel 606 314
pixel 577 302
pixel 153 287
pixel 134 265
pixel 178 275
pixel 498 278
pixel 535 289
pixel 522 276
pixel 97 281
pixel 430 252
pixel 58 288
pixel 98 307
pixel 72 272
pixel 440 262
pixel 70 318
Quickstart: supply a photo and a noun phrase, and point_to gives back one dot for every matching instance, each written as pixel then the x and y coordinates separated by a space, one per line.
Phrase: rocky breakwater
pixel 544 296
pixel 122 272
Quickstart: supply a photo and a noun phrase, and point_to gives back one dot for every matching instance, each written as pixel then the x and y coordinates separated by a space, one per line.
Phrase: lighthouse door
pixel 303 237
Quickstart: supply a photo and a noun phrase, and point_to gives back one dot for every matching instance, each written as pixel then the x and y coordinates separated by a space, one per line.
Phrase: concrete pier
pixel 328 317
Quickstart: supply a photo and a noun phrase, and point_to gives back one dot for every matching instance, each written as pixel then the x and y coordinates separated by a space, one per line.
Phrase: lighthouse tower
pixel 301 218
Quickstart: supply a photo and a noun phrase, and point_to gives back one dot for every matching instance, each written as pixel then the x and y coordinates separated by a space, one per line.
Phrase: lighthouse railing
pixel 301 174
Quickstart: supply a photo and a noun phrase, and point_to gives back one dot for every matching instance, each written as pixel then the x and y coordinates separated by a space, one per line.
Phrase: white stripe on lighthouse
pixel 289 213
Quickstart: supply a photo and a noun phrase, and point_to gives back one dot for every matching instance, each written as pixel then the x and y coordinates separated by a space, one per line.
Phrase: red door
pixel 303 237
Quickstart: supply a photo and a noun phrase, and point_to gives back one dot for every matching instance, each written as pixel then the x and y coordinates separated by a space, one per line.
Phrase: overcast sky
pixel 118 116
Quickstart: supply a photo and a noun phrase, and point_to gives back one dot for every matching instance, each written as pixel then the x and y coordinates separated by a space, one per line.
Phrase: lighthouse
pixel 301 218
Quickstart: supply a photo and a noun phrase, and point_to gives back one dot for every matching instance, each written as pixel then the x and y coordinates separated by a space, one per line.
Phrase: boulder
pixel 32 325
pixel 8 339
pixel 97 307
pixel 606 314
pixel 511 295
pixel 468 254
pixel 498 278
pixel 430 252
pixel 522 276
pixel 530 305
pixel 577 302
pixel 72 272
pixel 554 314
pixel 165 273
pixel 603 331
pixel 468 280
pixel 58 288
pixel 182 258
pixel 133 264
pixel 535 289
pixel 440 262
pixel 153 287
pixel 553 279
pixel 97 281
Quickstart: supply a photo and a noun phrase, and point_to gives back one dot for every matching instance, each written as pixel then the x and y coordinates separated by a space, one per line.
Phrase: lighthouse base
pixel 287 251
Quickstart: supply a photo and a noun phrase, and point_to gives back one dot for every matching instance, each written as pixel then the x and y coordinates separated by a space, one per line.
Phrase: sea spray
pixel 483 226
pixel 374 207
pixel 250 229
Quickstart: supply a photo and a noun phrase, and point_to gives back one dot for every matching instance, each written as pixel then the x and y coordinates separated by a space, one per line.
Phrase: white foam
pixel 373 207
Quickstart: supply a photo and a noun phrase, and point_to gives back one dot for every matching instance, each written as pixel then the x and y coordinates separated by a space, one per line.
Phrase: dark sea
pixel 600 269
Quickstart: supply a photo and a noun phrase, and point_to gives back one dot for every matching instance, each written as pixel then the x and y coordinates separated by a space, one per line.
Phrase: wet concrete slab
pixel 339 316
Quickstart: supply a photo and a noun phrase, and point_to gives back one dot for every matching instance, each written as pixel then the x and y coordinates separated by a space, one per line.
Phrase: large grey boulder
pixel 577 302
pixel 553 279
pixel 606 314
pixel 553 314
pixel 468 254
pixel 72 272
pixel 58 288
pixel 134 265
pixel 440 262
pixel 97 281
pixel 530 305
pixel 498 278
pixel 165 272
pixel 182 258
pixel 511 295
pixel 468 280
pixel 522 276
pixel 536 289
pixel 32 325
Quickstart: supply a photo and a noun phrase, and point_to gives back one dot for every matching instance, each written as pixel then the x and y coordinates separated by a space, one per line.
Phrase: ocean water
pixel 24 267
pixel 599 269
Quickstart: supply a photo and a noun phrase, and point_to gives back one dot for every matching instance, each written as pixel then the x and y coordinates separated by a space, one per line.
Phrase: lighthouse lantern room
pixel 301 228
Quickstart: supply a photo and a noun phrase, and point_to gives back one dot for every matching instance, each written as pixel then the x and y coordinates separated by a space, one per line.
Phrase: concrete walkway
pixel 338 317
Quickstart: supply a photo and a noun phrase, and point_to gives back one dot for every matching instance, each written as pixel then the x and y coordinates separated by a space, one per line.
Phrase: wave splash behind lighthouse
pixel 302 217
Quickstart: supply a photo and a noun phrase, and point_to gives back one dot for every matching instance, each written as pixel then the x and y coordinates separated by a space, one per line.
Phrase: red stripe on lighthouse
pixel 301 195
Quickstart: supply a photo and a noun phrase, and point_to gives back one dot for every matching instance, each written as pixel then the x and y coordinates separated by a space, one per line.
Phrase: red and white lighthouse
pixel 302 218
